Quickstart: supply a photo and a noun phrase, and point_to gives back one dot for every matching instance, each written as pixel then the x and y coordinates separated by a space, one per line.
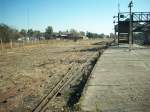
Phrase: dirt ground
pixel 27 74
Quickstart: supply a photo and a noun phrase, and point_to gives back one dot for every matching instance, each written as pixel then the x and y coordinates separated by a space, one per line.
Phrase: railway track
pixel 42 106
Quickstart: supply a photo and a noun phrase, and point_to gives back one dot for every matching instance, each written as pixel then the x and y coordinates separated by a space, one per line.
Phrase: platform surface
pixel 120 82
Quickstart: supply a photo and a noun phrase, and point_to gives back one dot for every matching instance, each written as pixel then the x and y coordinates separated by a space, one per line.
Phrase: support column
pixel 130 28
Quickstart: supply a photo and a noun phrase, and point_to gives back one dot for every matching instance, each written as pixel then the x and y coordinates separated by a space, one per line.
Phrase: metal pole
pixel 118 6
pixel 118 28
pixel 114 33
pixel 115 37
pixel 130 28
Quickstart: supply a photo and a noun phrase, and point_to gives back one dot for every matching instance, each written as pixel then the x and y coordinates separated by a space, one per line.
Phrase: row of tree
pixel 7 33
pixel 94 35
pixel 36 33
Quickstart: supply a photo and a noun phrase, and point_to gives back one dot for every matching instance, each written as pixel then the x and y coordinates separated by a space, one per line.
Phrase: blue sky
pixel 86 15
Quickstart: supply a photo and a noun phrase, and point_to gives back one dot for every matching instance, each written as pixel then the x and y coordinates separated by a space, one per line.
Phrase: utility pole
pixel 114 31
pixel 118 6
pixel 130 25
pixel 28 23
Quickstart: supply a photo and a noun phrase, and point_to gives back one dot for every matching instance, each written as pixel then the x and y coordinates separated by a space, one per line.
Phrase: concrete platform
pixel 120 82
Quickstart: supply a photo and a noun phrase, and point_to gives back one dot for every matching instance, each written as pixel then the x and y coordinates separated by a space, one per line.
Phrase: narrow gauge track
pixel 42 106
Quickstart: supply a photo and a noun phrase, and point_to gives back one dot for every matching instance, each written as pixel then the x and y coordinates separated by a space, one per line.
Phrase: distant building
pixel 23 39
pixel 67 36
pixel 85 37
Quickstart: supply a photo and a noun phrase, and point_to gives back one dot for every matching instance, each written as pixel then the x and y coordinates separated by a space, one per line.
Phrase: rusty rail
pixel 41 107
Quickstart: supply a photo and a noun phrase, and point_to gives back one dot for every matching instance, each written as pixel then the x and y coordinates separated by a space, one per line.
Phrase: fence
pixel 18 44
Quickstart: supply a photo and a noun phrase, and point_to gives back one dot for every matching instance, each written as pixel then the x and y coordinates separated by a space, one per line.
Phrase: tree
pixel 89 35
pixel 82 33
pixel 4 33
pixel 94 35
pixel 48 32
pixel 7 33
pixel 74 34
pixel 60 32
pixel 15 34
pixel 73 31
pixel 30 33
pixel 102 35
pixel 37 34
pixel 23 32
